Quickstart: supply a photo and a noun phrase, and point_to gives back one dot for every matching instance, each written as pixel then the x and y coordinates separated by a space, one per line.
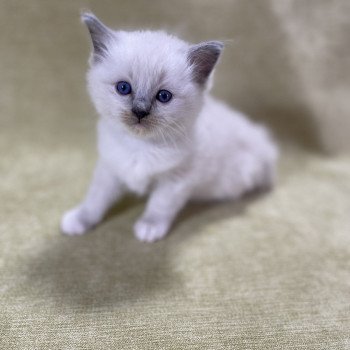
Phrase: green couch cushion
pixel 269 272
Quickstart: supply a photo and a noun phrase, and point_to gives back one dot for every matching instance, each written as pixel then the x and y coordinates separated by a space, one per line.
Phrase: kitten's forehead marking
pixel 147 83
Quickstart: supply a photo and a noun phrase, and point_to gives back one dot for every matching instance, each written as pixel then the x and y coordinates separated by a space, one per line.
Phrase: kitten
pixel 161 133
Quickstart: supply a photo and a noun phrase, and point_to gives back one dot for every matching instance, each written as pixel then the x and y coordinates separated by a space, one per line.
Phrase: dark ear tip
pixel 87 16
pixel 217 45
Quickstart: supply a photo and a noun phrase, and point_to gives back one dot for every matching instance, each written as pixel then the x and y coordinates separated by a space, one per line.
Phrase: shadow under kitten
pixel 110 267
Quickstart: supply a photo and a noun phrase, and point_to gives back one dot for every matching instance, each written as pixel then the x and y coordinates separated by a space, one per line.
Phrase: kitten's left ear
pixel 100 35
pixel 203 58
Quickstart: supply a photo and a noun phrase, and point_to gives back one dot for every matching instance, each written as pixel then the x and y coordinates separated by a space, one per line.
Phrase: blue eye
pixel 123 88
pixel 164 96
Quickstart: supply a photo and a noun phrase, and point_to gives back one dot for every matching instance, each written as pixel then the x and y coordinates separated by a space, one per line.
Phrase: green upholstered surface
pixel 269 272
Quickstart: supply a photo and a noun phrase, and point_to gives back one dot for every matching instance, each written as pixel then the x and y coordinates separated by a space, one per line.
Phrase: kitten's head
pixel 149 82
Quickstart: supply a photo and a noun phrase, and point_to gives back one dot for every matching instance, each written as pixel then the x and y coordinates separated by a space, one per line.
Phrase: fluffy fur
pixel 190 148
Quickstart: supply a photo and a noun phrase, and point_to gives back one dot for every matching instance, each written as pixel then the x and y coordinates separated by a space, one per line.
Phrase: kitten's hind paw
pixel 73 224
pixel 150 230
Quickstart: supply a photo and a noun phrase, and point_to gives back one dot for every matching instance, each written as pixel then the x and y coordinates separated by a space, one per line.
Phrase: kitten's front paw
pixel 150 230
pixel 72 223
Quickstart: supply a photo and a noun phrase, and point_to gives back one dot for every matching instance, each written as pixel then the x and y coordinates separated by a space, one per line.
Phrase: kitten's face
pixel 144 81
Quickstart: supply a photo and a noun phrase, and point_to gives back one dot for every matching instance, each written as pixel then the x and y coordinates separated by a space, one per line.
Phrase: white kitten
pixel 161 133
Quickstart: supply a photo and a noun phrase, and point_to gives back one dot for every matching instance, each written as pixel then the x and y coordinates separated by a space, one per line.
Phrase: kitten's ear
pixel 203 58
pixel 100 35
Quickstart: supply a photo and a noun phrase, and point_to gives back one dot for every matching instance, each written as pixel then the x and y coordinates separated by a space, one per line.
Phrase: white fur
pixel 197 149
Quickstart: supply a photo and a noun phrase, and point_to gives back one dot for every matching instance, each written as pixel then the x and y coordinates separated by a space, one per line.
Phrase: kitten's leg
pixel 104 190
pixel 165 202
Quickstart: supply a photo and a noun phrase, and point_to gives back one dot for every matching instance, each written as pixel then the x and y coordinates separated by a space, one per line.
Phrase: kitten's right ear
pixel 100 35
pixel 203 58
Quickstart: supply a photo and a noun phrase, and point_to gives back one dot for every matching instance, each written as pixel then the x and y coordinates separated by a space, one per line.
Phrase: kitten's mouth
pixel 139 126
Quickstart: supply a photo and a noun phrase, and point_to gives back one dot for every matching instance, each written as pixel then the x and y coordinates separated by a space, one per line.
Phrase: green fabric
pixel 269 272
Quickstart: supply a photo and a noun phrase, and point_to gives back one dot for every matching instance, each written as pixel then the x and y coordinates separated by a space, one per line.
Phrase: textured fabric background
pixel 270 272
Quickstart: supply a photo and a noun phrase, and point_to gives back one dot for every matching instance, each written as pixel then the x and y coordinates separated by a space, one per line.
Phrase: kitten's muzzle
pixel 140 113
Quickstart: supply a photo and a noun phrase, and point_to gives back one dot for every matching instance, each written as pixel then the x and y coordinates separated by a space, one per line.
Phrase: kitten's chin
pixel 143 129
pixel 140 129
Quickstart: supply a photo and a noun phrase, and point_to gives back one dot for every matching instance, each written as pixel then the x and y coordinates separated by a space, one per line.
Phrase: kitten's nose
pixel 140 113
